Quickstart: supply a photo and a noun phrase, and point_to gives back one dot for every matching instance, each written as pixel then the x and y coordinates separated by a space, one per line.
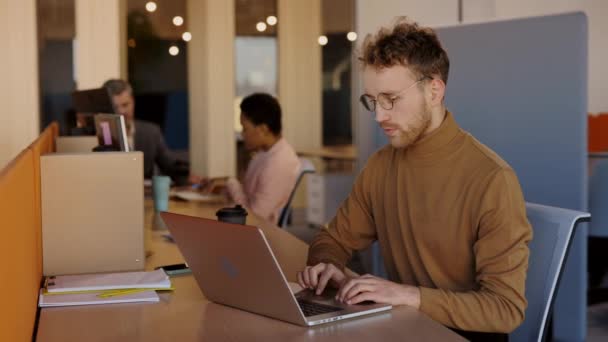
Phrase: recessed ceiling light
pixel 261 26
pixel 323 40
pixel 150 6
pixel 178 21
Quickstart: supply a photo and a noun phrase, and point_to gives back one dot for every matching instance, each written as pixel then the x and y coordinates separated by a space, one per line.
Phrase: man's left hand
pixel 368 287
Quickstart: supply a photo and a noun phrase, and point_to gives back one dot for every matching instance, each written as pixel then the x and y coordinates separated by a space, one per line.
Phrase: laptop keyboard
pixel 313 309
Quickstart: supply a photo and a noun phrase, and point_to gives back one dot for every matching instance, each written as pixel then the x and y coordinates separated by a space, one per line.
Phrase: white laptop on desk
pixel 234 265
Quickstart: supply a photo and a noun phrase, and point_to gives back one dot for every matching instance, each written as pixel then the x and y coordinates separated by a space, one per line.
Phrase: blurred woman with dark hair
pixel 272 173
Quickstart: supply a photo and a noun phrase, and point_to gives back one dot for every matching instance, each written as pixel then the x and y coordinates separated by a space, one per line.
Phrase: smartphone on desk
pixel 176 269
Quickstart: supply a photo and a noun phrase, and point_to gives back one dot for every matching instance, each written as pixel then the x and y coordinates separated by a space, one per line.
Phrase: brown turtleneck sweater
pixel 450 218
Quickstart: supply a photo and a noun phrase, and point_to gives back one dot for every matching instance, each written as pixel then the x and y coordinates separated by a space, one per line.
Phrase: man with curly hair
pixel 448 212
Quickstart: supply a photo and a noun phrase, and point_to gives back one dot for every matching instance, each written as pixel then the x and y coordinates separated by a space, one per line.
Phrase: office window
pixel 255 49
pixel 338 42
pixel 56 34
pixel 158 70
pixel 256 59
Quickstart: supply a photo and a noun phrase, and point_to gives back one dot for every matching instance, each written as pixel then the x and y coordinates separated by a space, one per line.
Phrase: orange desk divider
pixel 19 249
pixel 43 145
pixel 21 240
pixel 598 132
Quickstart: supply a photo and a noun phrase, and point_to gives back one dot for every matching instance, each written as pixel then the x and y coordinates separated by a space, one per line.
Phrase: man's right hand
pixel 317 277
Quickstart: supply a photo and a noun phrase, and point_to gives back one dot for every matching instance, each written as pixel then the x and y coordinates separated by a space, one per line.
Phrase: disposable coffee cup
pixel 235 214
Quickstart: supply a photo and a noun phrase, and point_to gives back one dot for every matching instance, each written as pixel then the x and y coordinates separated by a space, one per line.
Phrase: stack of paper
pixel 109 281
pixel 103 288
pixel 90 298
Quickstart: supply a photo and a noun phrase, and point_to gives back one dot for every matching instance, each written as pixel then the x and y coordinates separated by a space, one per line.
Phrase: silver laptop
pixel 234 265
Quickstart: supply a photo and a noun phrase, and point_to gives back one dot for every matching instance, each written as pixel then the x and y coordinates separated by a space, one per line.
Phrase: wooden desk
pixel 344 152
pixel 185 314
pixel 335 158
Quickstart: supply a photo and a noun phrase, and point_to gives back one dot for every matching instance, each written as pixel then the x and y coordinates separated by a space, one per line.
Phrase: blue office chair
pixel 306 166
pixel 553 230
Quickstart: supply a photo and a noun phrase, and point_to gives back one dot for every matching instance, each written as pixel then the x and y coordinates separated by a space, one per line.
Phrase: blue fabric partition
pixel 520 87
pixel 598 194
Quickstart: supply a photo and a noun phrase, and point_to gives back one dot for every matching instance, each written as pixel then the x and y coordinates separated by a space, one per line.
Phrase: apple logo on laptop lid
pixel 229 268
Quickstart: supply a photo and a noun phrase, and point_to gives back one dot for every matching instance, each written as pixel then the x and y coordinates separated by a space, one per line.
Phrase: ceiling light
pixel 260 26
pixel 271 20
pixel 323 40
pixel 178 21
pixel 150 6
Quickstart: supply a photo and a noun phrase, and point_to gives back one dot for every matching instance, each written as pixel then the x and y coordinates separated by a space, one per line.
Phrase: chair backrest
pixel 553 229
pixel 306 166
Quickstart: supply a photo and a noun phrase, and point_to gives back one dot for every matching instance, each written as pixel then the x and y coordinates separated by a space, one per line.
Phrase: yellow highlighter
pixel 123 292
pixel 46 293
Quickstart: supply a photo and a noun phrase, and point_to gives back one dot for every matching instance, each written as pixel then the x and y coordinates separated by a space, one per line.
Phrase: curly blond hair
pixel 409 45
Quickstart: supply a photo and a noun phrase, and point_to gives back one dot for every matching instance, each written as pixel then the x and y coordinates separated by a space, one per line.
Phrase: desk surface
pixel 185 314
pixel 341 152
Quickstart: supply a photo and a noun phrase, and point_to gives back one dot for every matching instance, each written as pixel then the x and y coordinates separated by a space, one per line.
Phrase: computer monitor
pixel 87 103
pixel 92 101
pixel 111 133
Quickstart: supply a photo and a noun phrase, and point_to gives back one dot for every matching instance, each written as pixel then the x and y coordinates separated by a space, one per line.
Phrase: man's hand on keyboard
pixel 371 288
pixel 317 277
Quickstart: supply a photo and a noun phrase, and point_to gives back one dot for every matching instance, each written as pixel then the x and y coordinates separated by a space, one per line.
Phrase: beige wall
pixel 211 87
pixel 101 49
pixel 19 88
pixel 373 14
pixel 300 72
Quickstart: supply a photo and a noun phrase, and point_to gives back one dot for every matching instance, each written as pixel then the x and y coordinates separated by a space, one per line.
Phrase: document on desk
pixel 92 298
pixel 108 281
pixel 194 196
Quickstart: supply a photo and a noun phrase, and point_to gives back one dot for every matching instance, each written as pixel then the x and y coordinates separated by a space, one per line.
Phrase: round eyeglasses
pixel 386 101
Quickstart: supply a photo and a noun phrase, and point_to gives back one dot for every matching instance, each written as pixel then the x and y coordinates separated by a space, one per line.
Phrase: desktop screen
pixel 111 132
